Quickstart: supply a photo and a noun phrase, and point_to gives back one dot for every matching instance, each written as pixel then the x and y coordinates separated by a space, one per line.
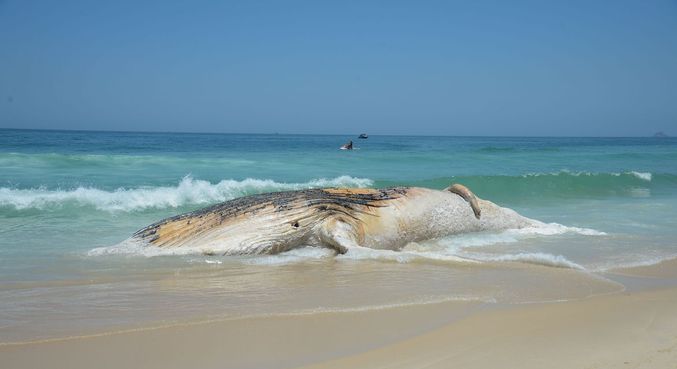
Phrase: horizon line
pixel 309 134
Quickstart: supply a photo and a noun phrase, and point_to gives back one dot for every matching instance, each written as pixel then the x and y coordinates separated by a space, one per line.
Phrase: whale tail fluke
pixel 468 196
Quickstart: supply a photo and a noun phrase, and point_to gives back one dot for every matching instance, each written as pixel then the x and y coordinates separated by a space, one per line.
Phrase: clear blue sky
pixel 422 67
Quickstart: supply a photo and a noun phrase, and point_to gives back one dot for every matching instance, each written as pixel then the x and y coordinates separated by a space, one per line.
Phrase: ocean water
pixel 68 198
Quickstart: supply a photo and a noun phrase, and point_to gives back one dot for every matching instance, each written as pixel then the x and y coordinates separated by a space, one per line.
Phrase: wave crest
pixel 566 184
pixel 189 191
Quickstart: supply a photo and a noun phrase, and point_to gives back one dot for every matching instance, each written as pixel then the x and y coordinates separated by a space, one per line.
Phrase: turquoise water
pixel 67 198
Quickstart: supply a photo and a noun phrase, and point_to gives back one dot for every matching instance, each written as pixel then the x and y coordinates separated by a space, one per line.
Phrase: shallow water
pixel 68 198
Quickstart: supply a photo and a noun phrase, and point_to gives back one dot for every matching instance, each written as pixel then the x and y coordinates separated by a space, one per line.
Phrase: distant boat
pixel 364 135
pixel 347 146
pixel 660 135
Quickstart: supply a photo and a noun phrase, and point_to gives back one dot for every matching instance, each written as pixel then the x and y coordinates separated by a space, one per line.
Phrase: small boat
pixel 364 135
pixel 347 146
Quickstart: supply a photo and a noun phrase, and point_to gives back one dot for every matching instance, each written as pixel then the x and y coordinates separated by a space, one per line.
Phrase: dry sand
pixel 625 330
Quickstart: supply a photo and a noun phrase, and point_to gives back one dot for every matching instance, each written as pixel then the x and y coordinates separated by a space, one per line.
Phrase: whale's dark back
pixel 335 200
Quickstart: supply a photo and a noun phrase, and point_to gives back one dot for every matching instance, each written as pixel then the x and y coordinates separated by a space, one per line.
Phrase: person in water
pixel 348 146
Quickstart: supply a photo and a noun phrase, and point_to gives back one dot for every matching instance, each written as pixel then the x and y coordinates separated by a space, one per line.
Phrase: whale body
pixel 337 218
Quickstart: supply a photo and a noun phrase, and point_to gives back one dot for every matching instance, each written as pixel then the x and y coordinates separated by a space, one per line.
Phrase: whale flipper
pixel 338 235
pixel 468 196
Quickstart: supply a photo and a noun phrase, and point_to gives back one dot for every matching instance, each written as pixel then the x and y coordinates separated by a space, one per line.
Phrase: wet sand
pixel 263 342
pixel 620 331
pixel 631 329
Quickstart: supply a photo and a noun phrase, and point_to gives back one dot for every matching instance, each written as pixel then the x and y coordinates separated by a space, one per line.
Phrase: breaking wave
pixel 564 183
pixel 535 187
pixel 188 191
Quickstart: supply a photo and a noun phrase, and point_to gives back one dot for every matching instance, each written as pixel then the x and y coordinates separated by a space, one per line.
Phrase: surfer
pixel 347 146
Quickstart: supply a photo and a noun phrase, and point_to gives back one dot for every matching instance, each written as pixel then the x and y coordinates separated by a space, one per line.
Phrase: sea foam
pixel 455 250
pixel 642 175
pixel 538 229
pixel 538 258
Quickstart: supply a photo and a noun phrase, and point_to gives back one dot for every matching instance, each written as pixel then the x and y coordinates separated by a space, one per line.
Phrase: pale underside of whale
pixel 339 219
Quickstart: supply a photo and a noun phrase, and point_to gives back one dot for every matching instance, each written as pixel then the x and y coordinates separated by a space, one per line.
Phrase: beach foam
pixel 457 249
pixel 537 258
pixel 469 240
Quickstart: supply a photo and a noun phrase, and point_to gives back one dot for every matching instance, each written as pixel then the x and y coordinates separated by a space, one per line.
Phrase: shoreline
pixel 226 320
pixel 470 334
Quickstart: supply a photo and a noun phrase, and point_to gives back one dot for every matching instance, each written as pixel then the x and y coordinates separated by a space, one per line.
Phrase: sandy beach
pixel 370 185
pixel 633 329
